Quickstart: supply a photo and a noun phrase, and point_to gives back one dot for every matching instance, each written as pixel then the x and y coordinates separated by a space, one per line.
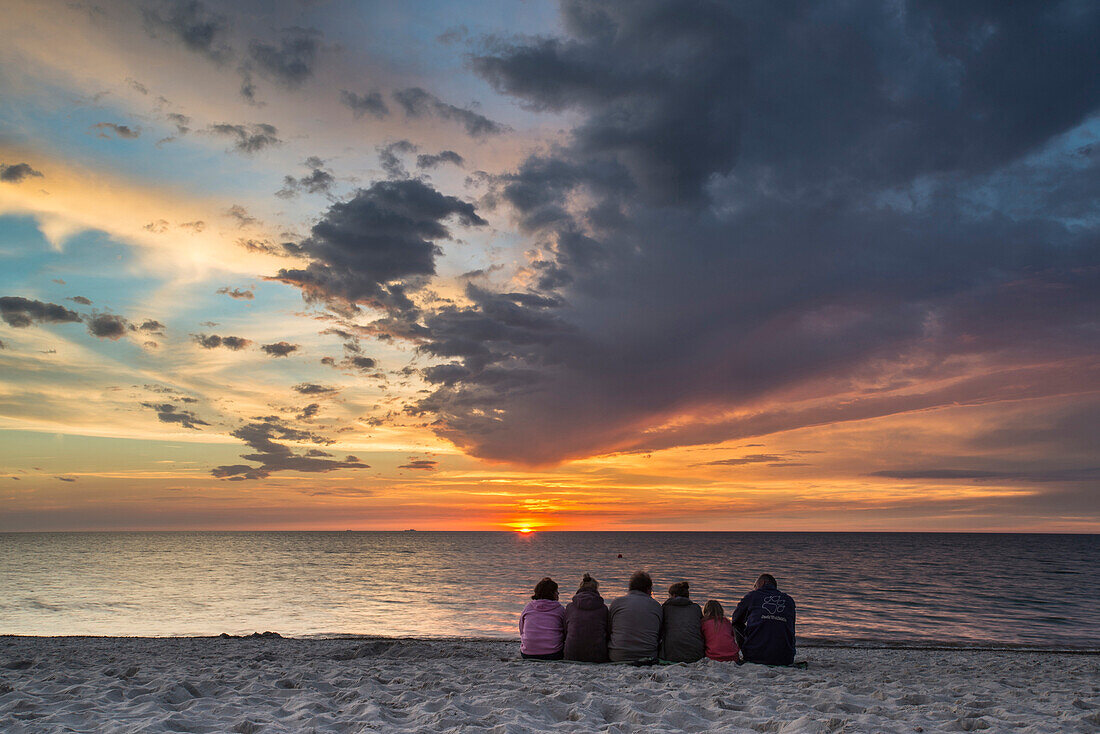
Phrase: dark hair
pixel 713 610
pixel 766 579
pixel 680 588
pixel 546 589
pixel 640 581
pixel 588 584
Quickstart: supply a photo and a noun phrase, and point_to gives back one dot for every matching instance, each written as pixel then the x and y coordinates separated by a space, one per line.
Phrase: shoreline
pixel 369 684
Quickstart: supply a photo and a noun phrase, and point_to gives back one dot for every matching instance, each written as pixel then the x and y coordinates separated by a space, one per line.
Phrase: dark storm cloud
pixel 213 341
pixel 371 248
pixel 240 294
pixel 168 413
pixel 279 349
pixel 190 22
pixel 263 435
pixel 290 61
pixel 17 172
pixel 110 129
pixel 801 197
pixel 417 102
pixel 248 138
pixel 433 160
pixel 21 312
pixel 107 326
pixel 369 103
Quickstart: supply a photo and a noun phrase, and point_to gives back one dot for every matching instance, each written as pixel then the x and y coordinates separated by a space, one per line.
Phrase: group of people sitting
pixel 636 628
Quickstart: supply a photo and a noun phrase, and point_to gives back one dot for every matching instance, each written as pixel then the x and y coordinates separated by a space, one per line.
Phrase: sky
pixel 660 265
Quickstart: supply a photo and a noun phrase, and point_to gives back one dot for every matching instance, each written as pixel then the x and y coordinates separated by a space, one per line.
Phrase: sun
pixel 525 530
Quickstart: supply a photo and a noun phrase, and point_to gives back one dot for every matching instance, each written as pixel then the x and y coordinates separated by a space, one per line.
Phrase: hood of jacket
pixel 678 601
pixel 544 605
pixel 588 600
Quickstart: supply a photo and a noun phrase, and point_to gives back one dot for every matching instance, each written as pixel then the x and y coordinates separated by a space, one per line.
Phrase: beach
pixel 211 684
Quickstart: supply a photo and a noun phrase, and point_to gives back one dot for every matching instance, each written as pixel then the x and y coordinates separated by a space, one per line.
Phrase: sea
pixel 859 589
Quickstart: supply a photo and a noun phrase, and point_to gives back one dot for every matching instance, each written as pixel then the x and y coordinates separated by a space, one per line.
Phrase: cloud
pixel 66 479
pixel 425 464
pixel 312 388
pixel 213 341
pixel 107 326
pixel 263 434
pixel 370 103
pixel 240 214
pixel 433 160
pixel 17 172
pixel 417 102
pixel 279 349
pixel 81 300
pixel 743 460
pixel 391 164
pixel 354 362
pixel 169 413
pixel 306 414
pixel 189 22
pixel 110 129
pixel 22 312
pixel 248 138
pixel 730 222
pixel 372 248
pixel 317 181
pixel 290 62
pixel 237 293
pixel 149 326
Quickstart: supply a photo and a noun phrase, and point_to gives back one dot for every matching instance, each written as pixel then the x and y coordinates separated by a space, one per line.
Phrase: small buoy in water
pixel 620 555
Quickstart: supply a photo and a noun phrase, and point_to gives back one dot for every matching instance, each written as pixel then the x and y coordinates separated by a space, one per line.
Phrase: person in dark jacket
pixel 764 621
pixel 586 624
pixel 634 622
pixel 681 631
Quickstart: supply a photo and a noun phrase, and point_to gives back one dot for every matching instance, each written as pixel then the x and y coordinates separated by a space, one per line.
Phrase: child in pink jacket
pixel 718 633
pixel 542 624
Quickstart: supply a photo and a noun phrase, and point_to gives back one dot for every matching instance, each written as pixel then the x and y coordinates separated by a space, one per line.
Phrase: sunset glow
pixel 326 266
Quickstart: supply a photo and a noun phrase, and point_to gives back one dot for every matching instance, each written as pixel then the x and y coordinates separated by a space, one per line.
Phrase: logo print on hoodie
pixel 774 604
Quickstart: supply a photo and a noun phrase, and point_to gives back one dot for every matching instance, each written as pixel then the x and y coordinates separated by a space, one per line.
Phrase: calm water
pixel 987 589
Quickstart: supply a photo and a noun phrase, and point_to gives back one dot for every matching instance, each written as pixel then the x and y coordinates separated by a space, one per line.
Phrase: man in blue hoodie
pixel 764 621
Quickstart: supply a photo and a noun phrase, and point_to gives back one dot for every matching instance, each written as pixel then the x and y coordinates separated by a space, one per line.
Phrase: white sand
pixel 275 685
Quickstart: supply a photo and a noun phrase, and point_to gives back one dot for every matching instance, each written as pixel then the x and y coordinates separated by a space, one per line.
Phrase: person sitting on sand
pixel 718 633
pixel 586 624
pixel 681 632
pixel 634 622
pixel 765 621
pixel 542 624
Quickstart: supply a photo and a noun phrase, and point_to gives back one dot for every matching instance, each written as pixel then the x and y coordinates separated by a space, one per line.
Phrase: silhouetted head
pixel 588 584
pixel 713 610
pixel 546 589
pixel 641 581
pixel 680 588
pixel 766 579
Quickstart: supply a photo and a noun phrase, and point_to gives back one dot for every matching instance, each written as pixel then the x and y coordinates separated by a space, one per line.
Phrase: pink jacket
pixel 542 627
pixel 718 639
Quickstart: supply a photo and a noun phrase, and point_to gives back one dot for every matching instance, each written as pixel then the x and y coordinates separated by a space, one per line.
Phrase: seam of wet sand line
pixel 273 639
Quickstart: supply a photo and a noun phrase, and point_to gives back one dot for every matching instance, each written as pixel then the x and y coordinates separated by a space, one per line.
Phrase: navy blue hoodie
pixel 766 618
